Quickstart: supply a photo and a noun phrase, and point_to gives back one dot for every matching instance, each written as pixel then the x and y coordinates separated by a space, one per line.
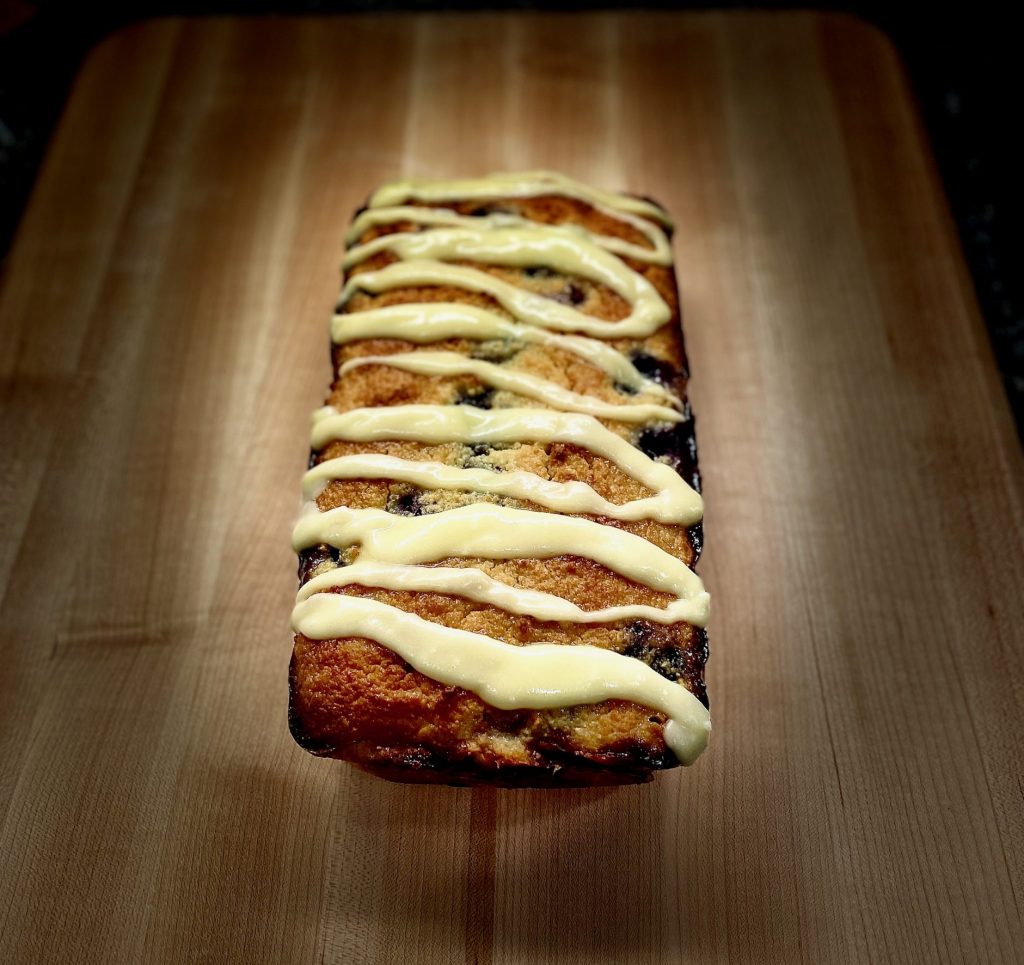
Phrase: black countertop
pixel 961 58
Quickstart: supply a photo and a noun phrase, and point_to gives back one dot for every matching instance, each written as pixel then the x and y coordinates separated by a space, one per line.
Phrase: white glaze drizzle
pixel 498 533
pixel 520 184
pixel 539 675
pixel 659 252
pixel 434 322
pixel 675 501
pixel 425 256
pixel 392 547
pixel 521 383
pixel 526 306
pixel 567 497
pixel 474 584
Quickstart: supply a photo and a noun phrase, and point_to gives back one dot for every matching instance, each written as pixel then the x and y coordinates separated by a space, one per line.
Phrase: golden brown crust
pixel 356 700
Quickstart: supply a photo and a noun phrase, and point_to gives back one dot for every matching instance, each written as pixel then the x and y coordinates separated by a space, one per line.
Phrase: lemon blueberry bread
pixel 502 514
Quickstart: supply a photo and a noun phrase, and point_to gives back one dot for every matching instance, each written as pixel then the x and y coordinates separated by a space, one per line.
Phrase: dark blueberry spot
pixel 649 645
pixel 670 662
pixel 659 647
pixel 482 449
pixel 624 389
pixel 572 294
pixel 538 271
pixel 307 563
pixel 315 556
pixel 408 504
pixel 654 368
pixel 658 442
pixel 484 209
pixel 639 634
pixel 479 396
pixel 700 648
pixel 696 534
pixel 313 457
pixel 696 663
pixel 675 444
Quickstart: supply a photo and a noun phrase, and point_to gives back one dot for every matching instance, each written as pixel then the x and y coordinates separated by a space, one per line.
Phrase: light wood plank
pixel 163 318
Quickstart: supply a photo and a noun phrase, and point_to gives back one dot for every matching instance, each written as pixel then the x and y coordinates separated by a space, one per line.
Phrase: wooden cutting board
pixel 164 340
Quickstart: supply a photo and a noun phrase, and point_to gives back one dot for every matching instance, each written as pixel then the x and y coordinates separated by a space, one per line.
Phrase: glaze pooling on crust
pixel 395 552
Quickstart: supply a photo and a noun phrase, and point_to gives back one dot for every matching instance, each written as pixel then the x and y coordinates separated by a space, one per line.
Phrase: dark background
pixel 962 59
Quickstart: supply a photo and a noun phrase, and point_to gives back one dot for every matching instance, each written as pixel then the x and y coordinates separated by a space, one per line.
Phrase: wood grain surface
pixel 164 339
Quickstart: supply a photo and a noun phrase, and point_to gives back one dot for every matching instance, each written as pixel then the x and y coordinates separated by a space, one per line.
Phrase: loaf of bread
pixel 502 507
